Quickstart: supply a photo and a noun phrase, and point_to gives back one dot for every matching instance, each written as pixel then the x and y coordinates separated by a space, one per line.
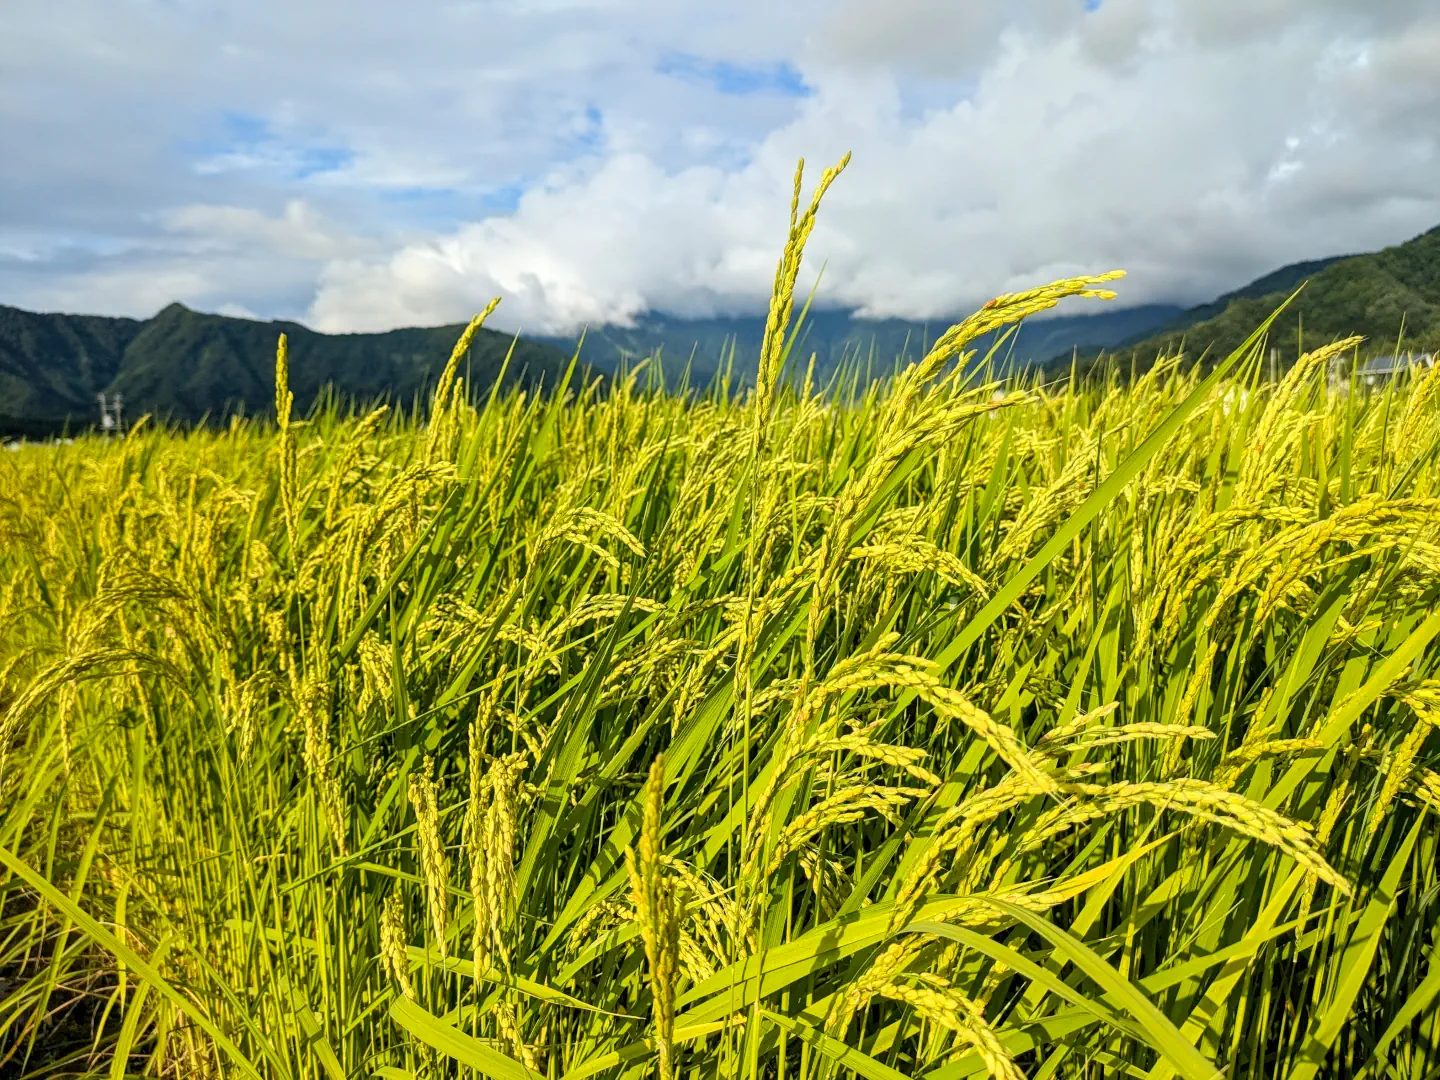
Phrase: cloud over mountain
pixel 594 159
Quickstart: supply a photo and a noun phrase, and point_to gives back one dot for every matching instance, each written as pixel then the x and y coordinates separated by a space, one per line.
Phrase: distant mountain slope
pixel 1373 295
pixel 835 336
pixel 183 364
pixel 1285 280
pixel 51 365
pixel 231 362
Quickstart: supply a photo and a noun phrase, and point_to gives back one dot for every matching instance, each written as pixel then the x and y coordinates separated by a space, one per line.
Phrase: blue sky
pixel 362 165
pixel 735 80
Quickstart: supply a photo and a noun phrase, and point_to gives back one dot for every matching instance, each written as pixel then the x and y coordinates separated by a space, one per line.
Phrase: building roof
pixel 1390 365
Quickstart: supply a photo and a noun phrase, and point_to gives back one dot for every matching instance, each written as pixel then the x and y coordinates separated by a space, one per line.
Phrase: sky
pixel 362 165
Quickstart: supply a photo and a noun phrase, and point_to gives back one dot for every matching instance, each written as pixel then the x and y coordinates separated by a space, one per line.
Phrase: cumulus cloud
pixel 297 233
pixel 208 256
pixel 1175 146
pixel 595 249
pixel 588 160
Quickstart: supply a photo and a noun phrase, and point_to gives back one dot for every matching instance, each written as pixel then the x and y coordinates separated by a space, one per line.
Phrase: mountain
pixel 1376 295
pixel 53 365
pixel 183 364
pixel 835 336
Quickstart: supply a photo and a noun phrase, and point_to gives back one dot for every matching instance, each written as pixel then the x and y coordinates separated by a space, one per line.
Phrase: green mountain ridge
pixel 183 365
pixel 54 364
pixel 1388 297
pixel 838 336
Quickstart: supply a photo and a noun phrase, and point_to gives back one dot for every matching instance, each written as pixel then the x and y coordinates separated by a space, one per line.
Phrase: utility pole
pixel 110 413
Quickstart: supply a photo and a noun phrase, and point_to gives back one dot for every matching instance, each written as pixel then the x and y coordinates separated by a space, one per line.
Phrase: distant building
pixel 1383 368
pixel 1379 370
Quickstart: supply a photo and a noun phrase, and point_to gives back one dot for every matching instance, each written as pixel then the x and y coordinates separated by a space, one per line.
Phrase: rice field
pixel 935 728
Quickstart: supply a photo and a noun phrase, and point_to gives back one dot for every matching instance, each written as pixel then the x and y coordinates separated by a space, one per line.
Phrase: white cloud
pixel 368 169
pixel 1147 151
pixel 601 248
pixel 297 233
pixel 933 37
pixel 236 311
pixel 205 256
pixel 126 291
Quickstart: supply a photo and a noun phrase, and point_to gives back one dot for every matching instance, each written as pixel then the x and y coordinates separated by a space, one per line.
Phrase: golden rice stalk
pixel 950 1009
pixel 903 430
pixel 67 705
pixel 1421 408
pixel 1125 733
pixel 1425 786
pixel 1053 740
pixel 392 943
pixel 1001 737
pixel 1205 800
pixel 1278 429
pixel 1252 750
pixel 915 555
pixel 882 971
pixel 660 910
pixel 854 672
pixel 581 524
pixel 490 831
pixel 1402 762
pixel 598 922
pixel 284 399
pixel 126 584
pixel 481 916
pixel 434 863
pixel 907 758
pixel 1272 748
pixel 376 670
pixel 828 879
pixel 91 664
pixel 779 691
pixel 712 912
pixel 1423 697
pixel 244 702
pixel 508 1024
pixel 694 964
pixel 1066 492
pixel 1329 816
pixel 599 606
pixel 956 833
pixel 447 387
pixel 312 700
pixel 284 402
pixel 340 473
pixel 10 667
pixel 847 805
pixel 1002 311
pixel 879 668
pixel 782 296
pixel 896 957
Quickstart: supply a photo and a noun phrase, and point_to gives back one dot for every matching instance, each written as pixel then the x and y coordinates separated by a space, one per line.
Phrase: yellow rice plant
pixel 1056 727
